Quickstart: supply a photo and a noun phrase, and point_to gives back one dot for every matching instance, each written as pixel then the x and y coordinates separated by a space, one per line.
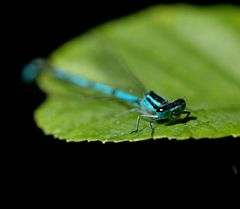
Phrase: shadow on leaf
pixel 184 121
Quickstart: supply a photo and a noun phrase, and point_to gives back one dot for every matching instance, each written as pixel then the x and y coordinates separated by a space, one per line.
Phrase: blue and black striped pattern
pixel 151 106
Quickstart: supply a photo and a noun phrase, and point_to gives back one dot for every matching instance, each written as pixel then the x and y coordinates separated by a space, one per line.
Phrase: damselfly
pixel 150 106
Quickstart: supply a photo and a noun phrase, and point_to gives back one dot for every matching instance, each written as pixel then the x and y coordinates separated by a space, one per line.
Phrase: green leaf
pixel 178 51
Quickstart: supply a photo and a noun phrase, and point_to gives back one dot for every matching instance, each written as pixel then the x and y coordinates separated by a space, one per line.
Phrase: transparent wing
pixel 118 74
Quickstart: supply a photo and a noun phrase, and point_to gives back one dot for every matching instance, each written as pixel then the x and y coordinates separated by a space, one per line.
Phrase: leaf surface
pixel 178 51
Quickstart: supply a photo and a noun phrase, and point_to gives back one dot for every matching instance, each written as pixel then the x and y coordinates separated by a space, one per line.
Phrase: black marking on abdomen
pixel 91 85
pixel 114 92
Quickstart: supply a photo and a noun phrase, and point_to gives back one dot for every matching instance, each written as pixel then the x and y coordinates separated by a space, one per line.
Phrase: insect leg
pixel 148 117
pixel 152 129
pixel 137 124
pixel 187 115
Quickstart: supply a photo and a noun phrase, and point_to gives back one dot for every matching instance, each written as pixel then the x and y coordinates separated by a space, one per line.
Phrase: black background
pixel 35 30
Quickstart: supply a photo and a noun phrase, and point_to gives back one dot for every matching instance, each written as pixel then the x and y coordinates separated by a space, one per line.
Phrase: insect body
pixel 156 108
pixel 151 106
